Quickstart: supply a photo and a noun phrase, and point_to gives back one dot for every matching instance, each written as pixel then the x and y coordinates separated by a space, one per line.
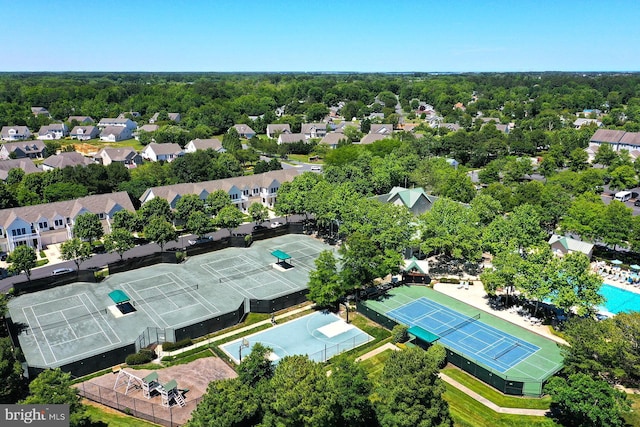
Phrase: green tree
pixel 623 177
pixel 574 285
pixel 227 403
pixel 157 207
pixel 87 226
pixel 119 241
pixel 581 400
pixel 231 140
pixel 160 231
pixel 216 201
pixel 578 160
pixel 63 191
pixel 485 208
pixel 258 212
pixel 325 288
pixel 13 384
pixel 615 224
pixel 256 367
pixel 54 387
pixel 585 216
pixel 126 220
pixel 199 223
pixel 23 258
pixel 299 395
pixel 316 112
pixel 75 250
pixel 351 388
pixel 410 393
pixel 229 217
pixel 605 155
pixel 548 166
pixel 188 204
pixel 451 229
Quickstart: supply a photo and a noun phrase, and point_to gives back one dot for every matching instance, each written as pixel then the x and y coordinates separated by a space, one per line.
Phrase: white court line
pixel 69 324
pixel 166 297
pixel 198 300
pixel 99 323
pixel 55 359
pixel 75 339
pixel 35 338
pixel 140 306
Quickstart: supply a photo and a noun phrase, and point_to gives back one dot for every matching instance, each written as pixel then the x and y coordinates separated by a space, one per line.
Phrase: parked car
pixel 201 240
pixel 259 227
pixel 4 256
pixel 316 168
pixel 636 203
pixel 276 224
pixel 59 271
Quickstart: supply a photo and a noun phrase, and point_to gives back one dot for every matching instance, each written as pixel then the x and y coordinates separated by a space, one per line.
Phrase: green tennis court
pixel 70 323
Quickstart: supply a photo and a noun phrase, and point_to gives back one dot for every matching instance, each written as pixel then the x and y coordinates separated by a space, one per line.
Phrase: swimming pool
pixel 619 300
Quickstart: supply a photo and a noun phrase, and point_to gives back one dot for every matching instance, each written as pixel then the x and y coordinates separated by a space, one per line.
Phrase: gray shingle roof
pixel 168 148
pixel 289 138
pixel 25 164
pixel 62 160
pixel 205 144
pixel 607 135
pixel 68 209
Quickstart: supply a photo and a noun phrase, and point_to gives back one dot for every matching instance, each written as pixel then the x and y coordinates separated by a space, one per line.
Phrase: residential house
pixel 459 106
pixel 145 128
pixel 25 164
pixel 243 190
pixel 618 139
pixel 314 130
pixel 119 122
pixel 453 163
pixel 40 111
pixel 410 127
pixel 174 117
pixel 50 223
pixel 274 130
pixel 340 127
pixel 15 133
pixel 453 127
pixel 291 138
pixel 381 129
pixel 133 114
pixel 162 152
pixel 64 159
pixel 415 199
pixel 125 155
pixel 53 131
pixel 115 134
pixel 204 144
pixel 244 131
pixel 580 122
pixel 562 245
pixel 370 138
pixel 82 120
pixel 84 133
pixel 332 139
pixel 21 149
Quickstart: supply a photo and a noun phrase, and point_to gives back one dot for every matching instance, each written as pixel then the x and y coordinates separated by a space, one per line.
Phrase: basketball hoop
pixel 243 344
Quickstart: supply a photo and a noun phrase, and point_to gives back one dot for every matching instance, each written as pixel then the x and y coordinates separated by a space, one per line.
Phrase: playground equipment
pixel 149 385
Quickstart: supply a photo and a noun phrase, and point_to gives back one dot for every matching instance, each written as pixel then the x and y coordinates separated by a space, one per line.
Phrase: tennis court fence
pixel 330 351
pixel 146 409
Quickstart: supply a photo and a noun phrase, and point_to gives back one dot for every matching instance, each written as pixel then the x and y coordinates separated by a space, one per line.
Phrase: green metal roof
pixel 153 376
pixel 170 385
pixel 423 335
pixel 280 254
pixel 119 296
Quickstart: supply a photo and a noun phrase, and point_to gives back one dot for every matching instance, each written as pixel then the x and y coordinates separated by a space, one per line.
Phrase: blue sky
pixel 320 35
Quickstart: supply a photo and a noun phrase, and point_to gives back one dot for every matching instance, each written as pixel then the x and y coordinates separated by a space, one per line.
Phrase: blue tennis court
pixel 320 336
pixel 496 349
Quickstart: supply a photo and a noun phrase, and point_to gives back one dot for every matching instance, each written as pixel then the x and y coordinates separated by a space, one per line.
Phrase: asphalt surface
pixel 101 260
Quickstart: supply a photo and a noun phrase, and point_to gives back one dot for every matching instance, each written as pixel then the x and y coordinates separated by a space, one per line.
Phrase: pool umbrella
pixel 616 262
pixel 635 266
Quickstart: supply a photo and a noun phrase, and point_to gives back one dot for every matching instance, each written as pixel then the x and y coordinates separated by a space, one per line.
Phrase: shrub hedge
pixel 141 357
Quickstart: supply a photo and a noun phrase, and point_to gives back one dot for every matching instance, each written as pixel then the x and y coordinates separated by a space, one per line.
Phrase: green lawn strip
pixel 467 412
pixel 493 395
pixel 375 364
pixel 633 418
pixel 113 418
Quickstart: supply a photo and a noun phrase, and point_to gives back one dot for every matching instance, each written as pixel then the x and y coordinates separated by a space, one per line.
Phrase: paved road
pixel 100 260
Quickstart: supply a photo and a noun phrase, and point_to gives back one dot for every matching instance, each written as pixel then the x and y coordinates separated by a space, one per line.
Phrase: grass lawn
pixel 375 364
pixel 102 415
pixel 100 144
pixel 633 419
pixel 466 412
pixel 493 395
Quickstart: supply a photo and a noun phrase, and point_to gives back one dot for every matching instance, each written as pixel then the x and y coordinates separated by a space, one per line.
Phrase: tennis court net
pixel 459 325
pixel 507 350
